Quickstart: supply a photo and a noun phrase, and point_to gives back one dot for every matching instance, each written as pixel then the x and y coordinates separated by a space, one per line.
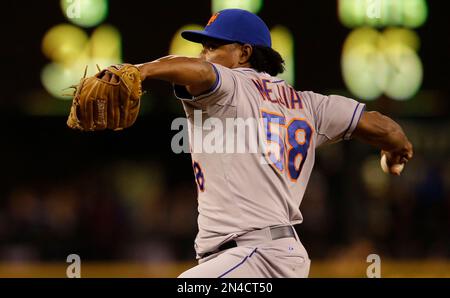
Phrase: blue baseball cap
pixel 233 25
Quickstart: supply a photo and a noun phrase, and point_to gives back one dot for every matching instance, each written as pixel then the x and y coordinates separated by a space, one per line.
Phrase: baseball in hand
pixel 397 168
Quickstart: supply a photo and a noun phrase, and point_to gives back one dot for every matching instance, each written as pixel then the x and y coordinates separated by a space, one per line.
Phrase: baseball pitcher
pixel 249 202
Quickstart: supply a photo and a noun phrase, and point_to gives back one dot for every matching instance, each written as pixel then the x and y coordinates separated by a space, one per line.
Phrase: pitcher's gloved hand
pixel 109 100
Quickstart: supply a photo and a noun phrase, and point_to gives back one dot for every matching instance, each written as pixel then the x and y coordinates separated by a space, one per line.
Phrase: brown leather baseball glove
pixel 109 100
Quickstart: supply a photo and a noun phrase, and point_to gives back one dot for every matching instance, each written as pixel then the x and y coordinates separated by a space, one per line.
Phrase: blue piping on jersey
pixel 362 111
pixel 277 82
pixel 211 91
pixel 182 93
pixel 351 122
pixel 240 263
pixel 213 88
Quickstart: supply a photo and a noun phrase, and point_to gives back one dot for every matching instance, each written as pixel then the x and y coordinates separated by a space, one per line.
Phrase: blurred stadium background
pixel 127 205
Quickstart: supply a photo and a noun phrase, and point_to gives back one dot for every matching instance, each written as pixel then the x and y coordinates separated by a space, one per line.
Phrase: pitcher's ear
pixel 246 53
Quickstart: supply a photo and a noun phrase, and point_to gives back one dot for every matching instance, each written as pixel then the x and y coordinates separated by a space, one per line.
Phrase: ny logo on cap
pixel 213 19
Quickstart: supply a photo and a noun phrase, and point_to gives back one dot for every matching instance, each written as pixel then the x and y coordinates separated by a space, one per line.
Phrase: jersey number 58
pixel 292 153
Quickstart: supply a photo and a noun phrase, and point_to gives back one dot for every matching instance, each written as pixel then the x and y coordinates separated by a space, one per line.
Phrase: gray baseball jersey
pixel 240 192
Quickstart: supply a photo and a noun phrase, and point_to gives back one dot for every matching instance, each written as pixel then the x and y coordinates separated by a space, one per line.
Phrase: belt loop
pixel 268 232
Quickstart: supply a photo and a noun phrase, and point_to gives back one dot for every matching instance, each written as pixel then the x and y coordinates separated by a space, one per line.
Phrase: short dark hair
pixel 265 59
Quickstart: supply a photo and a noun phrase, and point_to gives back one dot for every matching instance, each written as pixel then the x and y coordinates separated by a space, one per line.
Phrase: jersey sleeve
pixel 221 92
pixel 335 117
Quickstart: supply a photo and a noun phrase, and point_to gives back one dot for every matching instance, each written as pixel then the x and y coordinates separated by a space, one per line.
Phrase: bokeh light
pixel 57 78
pixel 363 70
pixel 251 5
pixel 63 43
pixel 283 42
pixel 106 45
pixel 71 50
pixel 182 47
pixel 351 13
pixel 374 63
pixel 364 35
pixel 85 13
pixel 402 36
pixel 380 13
pixel 363 66
pixel 406 72
pixel 415 13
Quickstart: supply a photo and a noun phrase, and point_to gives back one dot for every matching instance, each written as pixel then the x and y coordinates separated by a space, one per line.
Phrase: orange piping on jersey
pixel 288 144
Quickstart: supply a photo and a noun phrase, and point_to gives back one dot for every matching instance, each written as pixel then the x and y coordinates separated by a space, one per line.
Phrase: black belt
pixel 276 232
